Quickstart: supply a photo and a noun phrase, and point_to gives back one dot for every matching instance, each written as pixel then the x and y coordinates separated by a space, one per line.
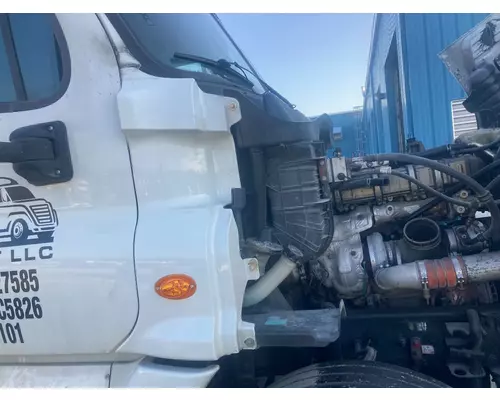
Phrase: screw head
pixel 249 342
pixel 464 194
pixel 233 106
pixel 50 128
pixel 253 264
pixel 57 172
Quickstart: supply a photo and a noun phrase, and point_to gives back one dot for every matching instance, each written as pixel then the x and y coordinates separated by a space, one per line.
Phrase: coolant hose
pixel 447 272
pixel 272 278
pixel 482 195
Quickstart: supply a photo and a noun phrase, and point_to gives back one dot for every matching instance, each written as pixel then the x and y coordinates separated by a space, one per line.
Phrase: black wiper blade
pixel 221 65
pixel 263 83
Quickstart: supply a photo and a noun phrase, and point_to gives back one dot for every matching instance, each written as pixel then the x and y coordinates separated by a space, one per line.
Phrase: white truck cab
pixel 114 176
pixel 167 219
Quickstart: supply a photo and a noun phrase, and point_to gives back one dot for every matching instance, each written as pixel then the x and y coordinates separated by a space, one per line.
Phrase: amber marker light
pixel 175 287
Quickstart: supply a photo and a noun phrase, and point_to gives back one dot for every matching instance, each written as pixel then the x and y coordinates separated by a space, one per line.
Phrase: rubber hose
pixel 493 183
pixel 432 191
pixel 444 150
pixel 453 189
pixel 481 192
pixel 269 281
pixel 411 159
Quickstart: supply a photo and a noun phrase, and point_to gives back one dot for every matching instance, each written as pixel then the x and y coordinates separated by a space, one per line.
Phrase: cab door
pixel 67 279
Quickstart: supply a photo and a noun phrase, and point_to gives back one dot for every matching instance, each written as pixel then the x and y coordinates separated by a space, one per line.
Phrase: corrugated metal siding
pixel 350 125
pixel 375 113
pixel 462 120
pixel 426 87
pixel 431 86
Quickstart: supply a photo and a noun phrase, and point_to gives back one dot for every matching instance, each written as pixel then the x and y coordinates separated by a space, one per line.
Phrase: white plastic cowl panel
pixel 184 166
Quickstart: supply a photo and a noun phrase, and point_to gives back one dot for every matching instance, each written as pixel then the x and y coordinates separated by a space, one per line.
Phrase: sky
pixel 317 61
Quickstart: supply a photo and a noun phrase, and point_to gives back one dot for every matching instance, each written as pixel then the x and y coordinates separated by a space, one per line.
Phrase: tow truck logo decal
pixel 24 219
pixel 27 226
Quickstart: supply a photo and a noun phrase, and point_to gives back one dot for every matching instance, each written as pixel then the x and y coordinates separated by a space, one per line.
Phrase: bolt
pixel 57 172
pixel 460 209
pixel 50 128
pixel 464 194
pixel 233 106
pixel 390 209
pixel 354 253
pixel 341 176
pixel 253 264
pixel 249 342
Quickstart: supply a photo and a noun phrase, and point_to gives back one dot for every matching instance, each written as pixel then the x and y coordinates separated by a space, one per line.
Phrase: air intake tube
pixel 447 272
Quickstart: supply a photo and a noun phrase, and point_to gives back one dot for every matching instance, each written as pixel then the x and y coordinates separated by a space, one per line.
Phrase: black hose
pixel 455 148
pixel 493 183
pixel 411 159
pixel 483 195
pixel 482 152
pixel 361 183
pixel 453 189
pixel 432 191
pixel 486 169
pixel 445 150
pixel 486 146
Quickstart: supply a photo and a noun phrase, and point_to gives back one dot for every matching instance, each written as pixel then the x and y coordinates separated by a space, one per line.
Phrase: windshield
pixel 17 193
pixel 160 36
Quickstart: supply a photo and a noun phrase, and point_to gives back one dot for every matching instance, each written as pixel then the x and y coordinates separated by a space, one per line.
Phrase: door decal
pixel 24 218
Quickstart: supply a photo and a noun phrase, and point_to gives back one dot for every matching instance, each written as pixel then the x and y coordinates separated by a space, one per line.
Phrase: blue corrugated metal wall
pixel 375 113
pixel 349 124
pixel 411 43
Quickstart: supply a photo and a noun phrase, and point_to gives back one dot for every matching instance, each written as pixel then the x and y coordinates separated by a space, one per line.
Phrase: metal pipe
pixel 444 273
pixel 404 276
pixel 422 234
pixel 270 280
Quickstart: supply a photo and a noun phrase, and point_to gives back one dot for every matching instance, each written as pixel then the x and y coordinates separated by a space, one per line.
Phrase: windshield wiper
pixel 222 66
pixel 263 83
pixel 226 66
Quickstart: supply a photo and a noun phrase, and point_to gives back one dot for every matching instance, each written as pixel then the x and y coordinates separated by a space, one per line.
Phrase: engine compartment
pixel 385 257
pixel 390 257
pixel 373 231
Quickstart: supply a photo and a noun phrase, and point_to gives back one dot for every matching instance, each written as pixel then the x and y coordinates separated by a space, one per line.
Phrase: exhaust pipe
pixel 447 272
